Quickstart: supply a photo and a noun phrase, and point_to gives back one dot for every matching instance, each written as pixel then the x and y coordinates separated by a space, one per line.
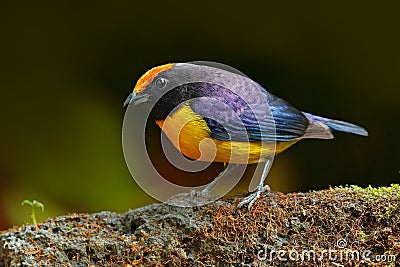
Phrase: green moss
pixel 384 192
pixel 362 235
pixel 387 198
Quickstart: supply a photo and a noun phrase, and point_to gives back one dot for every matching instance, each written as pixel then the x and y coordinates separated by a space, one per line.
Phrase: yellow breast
pixel 190 134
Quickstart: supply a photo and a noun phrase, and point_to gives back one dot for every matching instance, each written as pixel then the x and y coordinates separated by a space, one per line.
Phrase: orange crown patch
pixel 149 76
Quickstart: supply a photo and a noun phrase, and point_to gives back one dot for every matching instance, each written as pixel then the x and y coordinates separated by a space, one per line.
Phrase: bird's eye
pixel 161 82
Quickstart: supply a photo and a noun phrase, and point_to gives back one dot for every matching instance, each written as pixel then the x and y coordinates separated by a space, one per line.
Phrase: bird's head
pixel 166 82
pixel 148 83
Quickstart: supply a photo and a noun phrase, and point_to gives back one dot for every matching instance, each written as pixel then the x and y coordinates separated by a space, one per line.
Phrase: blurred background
pixel 66 69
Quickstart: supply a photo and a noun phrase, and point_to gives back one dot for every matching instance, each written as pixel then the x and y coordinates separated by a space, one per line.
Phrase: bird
pixel 249 126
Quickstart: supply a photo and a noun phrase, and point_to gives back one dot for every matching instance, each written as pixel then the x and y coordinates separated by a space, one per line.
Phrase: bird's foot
pixel 251 199
pixel 192 198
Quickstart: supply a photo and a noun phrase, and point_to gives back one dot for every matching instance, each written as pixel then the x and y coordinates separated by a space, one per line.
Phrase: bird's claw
pixel 251 199
pixel 192 198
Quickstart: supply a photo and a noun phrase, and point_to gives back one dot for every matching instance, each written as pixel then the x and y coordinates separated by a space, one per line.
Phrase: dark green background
pixel 67 67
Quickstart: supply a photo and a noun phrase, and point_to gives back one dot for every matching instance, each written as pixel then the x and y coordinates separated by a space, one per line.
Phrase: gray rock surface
pixel 103 239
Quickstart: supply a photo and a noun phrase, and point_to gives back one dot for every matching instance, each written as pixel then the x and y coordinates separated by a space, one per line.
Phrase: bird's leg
pixel 261 188
pixel 210 186
pixel 197 198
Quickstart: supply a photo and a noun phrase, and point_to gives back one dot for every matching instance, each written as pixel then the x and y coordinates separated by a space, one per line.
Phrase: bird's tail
pixel 337 125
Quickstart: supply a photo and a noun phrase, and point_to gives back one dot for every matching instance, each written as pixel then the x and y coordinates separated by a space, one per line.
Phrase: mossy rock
pixel 339 226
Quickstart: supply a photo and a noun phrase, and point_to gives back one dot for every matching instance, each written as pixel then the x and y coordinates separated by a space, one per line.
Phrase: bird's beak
pixel 136 98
